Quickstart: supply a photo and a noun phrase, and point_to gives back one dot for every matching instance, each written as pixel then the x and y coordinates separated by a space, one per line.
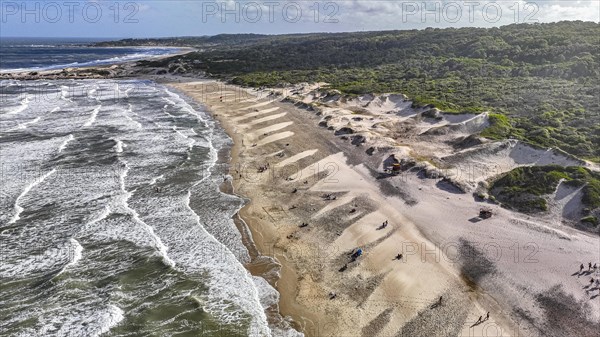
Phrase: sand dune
pixel 262 120
pixel 447 250
pixel 254 114
pixel 296 157
pixel 274 138
pixel 270 128
pixel 257 105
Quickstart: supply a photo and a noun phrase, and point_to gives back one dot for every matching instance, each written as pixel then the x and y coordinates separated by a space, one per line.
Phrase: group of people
pixel 437 304
pixel 591 269
pixel 263 168
pixel 354 254
pixel 481 319
pixel 383 225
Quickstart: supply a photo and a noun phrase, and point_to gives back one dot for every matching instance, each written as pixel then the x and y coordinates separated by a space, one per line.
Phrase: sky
pixel 168 18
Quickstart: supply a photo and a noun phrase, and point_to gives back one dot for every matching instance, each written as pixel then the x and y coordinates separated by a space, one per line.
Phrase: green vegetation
pixel 592 220
pixel 591 194
pixel 524 188
pixel 501 128
pixel 543 79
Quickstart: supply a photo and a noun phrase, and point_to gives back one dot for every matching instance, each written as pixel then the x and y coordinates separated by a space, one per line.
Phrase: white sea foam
pixel 24 125
pixel 18 208
pixel 119 146
pixel 127 92
pixel 142 54
pixel 180 133
pixel 93 116
pixel 57 257
pixel 156 179
pixel 185 106
pixel 225 285
pixel 126 113
pixel 64 94
pixel 75 253
pixel 159 245
pixel 103 215
pixel 91 323
pixel 64 144
pixel 24 105
pixel 121 210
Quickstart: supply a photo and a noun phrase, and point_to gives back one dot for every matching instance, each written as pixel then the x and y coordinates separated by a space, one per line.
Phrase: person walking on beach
pixel 487 316
pixel 580 268
pixel 479 320
pixel 399 257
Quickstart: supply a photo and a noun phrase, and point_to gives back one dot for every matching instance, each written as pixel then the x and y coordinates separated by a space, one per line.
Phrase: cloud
pixel 210 17
pixel 447 13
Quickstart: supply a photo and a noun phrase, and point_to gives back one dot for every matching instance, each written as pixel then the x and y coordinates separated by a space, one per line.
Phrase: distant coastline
pixel 38 55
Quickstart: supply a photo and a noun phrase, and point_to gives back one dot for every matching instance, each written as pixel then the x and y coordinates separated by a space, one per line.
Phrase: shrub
pixel 592 220
pixel 523 188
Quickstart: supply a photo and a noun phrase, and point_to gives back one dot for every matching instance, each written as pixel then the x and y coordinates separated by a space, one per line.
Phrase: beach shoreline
pixel 262 127
pixel 313 314
pixel 301 158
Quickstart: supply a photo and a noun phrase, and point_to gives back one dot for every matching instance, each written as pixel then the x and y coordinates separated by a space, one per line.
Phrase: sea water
pixel 34 54
pixel 111 218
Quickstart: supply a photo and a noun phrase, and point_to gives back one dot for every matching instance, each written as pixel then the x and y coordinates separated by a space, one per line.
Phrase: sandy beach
pixel 315 196
pixel 310 163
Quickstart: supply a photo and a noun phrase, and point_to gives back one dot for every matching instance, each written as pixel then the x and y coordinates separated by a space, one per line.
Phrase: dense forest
pixel 540 81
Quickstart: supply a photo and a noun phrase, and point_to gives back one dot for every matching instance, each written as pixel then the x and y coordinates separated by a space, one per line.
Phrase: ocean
pixel 17 54
pixel 112 222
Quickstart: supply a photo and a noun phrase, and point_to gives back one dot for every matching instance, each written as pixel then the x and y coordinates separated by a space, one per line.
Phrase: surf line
pixel 159 245
pixel 18 208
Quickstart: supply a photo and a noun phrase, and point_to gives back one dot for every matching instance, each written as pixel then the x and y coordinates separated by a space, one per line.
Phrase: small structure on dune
pixel 392 164
pixel 485 213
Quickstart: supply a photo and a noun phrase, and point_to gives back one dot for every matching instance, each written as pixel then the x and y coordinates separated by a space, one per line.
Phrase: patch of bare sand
pixel 504 265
